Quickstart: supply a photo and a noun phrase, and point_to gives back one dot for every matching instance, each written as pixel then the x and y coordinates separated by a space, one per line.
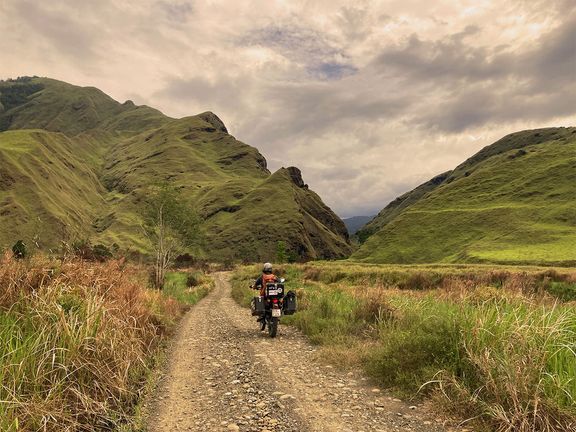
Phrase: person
pixel 267 276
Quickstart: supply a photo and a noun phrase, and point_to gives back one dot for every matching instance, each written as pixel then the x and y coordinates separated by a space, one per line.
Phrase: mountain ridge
pixel 109 153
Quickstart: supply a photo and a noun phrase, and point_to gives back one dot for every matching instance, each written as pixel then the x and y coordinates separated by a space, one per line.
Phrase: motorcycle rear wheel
pixel 273 327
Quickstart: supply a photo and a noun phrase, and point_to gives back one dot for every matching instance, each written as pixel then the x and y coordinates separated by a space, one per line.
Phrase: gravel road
pixel 225 375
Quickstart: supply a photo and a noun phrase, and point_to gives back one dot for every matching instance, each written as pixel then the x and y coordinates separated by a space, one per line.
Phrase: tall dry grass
pixel 76 342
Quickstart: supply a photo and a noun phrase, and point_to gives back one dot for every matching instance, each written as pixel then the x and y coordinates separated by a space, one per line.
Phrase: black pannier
pixel 257 306
pixel 289 303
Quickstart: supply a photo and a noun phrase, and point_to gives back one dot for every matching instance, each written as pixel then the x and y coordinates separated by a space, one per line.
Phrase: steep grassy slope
pixel 44 184
pixel 292 213
pixel 77 164
pixel 513 202
pixel 398 205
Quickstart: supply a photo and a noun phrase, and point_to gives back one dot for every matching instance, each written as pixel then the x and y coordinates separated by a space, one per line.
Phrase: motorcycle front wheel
pixel 273 326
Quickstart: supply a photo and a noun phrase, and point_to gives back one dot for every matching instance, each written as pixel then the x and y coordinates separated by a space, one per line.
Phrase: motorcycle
pixel 272 305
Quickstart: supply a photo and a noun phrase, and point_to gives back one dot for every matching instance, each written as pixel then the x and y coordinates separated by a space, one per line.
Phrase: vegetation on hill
pixel 75 164
pixel 513 202
pixel 493 345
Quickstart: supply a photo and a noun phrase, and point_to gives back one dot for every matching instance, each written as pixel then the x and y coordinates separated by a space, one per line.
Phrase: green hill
pixel 75 164
pixel 512 202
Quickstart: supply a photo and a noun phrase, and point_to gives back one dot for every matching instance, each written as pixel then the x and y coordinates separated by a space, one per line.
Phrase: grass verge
pixel 497 344
pixel 77 342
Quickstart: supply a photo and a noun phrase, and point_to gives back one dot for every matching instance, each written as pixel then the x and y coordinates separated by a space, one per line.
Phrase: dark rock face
pixel 214 120
pixel 296 177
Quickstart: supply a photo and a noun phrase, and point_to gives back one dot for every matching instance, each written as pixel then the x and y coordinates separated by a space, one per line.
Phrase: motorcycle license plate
pixel 276 312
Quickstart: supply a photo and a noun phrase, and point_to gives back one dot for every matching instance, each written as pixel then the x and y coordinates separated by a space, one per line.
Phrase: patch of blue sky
pixel 332 70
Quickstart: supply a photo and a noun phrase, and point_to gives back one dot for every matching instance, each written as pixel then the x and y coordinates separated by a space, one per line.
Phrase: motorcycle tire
pixel 273 327
pixel 263 324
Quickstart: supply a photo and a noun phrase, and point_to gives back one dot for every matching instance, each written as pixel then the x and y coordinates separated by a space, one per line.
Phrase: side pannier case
pixel 257 306
pixel 289 303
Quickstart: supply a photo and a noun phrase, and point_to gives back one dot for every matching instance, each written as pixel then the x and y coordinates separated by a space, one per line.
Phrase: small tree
pixel 171 226
pixel 19 250
pixel 281 253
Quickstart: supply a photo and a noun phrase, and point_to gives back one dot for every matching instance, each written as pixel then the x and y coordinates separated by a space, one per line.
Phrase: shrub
pixel 84 249
pixel 564 291
pixel 192 280
pixel 421 281
pixel 19 250
pixel 101 252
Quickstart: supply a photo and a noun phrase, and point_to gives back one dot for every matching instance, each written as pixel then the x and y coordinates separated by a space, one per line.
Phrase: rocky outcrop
pixel 214 120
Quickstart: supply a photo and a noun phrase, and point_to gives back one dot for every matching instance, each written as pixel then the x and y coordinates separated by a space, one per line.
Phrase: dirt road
pixel 224 375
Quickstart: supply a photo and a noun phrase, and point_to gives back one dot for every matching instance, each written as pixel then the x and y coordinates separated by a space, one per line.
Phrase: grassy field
pixel 491 343
pixel 78 340
pixel 512 203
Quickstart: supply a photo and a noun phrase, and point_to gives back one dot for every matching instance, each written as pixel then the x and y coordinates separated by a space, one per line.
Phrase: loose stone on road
pixel 225 375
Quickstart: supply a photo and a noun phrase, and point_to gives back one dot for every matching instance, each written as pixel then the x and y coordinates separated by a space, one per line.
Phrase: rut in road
pixel 225 375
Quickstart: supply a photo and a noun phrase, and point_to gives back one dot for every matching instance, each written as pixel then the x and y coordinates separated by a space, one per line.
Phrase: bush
pixel 564 291
pixel 84 249
pixel 19 250
pixel 192 280
pixel 312 273
pixel 186 287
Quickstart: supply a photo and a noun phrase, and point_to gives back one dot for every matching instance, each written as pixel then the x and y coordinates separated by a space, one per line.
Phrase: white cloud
pixel 368 98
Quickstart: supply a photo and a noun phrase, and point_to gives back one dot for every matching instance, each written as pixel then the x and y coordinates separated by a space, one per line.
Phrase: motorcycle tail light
pixel 275 300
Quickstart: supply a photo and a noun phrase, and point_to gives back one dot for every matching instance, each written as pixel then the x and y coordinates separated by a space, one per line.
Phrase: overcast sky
pixel 367 98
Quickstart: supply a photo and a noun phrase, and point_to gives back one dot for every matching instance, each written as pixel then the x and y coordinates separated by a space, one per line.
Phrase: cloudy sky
pixel 368 98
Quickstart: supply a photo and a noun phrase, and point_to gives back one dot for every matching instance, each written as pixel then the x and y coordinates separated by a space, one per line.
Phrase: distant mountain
pixel 512 202
pixel 76 164
pixel 354 223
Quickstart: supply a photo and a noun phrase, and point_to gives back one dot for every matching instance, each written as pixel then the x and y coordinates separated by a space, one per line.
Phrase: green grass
pixel 177 286
pixel 494 343
pixel 501 206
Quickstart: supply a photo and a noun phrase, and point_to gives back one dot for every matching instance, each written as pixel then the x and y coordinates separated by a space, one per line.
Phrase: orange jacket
pixel 263 280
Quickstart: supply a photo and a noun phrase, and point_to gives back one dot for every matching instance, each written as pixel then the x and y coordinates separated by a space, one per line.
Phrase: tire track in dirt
pixel 225 375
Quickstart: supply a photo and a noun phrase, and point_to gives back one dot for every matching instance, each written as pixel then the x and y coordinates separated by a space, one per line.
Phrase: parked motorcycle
pixel 272 305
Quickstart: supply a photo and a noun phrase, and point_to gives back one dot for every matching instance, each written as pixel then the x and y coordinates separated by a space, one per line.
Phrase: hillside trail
pixel 225 375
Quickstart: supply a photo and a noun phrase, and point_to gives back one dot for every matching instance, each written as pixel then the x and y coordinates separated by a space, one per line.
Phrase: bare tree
pixel 171 226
